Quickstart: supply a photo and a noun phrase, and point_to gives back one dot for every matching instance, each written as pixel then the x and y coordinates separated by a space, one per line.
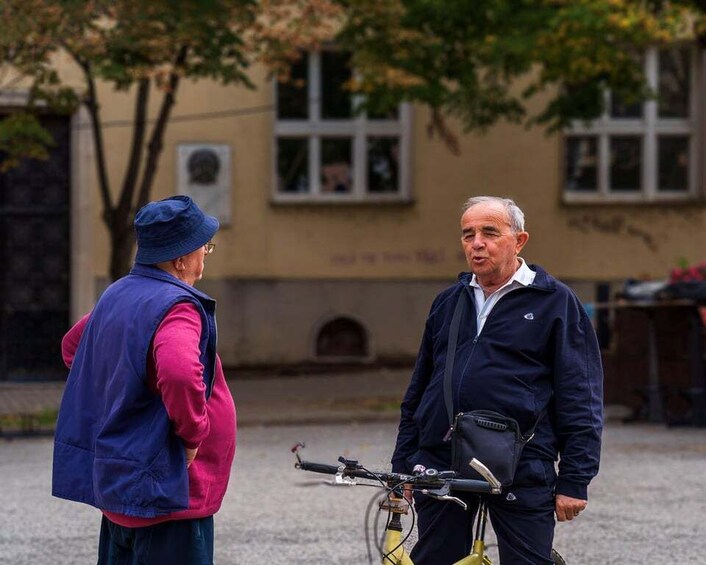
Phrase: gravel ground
pixel 647 505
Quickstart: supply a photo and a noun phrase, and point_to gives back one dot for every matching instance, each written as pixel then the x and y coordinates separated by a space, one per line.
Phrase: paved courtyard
pixel 648 504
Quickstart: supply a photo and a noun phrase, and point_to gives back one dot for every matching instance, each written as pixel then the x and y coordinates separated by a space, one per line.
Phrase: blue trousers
pixel 522 517
pixel 178 542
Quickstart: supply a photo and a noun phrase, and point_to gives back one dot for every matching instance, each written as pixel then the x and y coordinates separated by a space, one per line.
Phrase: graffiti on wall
pixel 615 224
pixel 426 256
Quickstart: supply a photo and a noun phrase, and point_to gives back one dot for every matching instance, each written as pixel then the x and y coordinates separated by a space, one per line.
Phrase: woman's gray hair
pixel 516 216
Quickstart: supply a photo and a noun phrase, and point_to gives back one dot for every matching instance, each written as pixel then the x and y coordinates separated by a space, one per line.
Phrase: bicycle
pixel 430 482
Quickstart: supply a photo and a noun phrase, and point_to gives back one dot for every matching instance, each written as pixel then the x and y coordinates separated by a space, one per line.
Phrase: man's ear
pixel 522 239
pixel 179 264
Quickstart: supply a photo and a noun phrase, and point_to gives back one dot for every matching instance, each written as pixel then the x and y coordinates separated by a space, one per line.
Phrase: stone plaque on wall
pixel 203 172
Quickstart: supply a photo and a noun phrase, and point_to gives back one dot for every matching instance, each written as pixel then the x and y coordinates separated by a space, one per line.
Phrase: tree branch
pixel 437 123
pixel 91 103
pixel 154 148
pixel 136 149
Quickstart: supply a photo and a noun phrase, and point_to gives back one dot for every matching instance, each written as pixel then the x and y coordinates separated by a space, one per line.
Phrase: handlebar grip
pixel 318 467
pixel 470 485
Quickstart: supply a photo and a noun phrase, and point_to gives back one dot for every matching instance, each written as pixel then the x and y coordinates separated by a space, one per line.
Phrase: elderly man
pixel 146 430
pixel 525 349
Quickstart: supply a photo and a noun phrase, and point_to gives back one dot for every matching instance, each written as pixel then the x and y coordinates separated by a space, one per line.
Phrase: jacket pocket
pixel 129 487
pixel 535 472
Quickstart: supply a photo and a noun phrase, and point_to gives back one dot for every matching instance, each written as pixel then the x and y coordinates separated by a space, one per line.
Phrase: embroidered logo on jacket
pixel 529 316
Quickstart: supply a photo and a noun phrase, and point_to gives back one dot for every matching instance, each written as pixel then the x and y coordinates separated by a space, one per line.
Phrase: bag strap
pixel 448 369
pixel 451 353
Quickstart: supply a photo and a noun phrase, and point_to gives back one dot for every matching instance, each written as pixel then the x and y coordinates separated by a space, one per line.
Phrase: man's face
pixel 490 246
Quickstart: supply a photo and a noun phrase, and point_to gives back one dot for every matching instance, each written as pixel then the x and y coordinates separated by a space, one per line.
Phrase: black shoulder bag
pixel 495 440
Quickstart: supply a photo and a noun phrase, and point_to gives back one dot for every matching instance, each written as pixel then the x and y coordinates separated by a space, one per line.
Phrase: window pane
pixel 393 114
pixel 673 163
pixel 581 164
pixel 336 165
pixel 383 164
pixel 293 165
pixel 625 164
pixel 674 83
pixel 292 96
pixel 627 108
pixel 336 101
pixel 619 108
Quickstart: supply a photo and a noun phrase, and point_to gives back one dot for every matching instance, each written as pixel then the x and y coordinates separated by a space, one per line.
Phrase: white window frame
pixel 649 127
pixel 358 129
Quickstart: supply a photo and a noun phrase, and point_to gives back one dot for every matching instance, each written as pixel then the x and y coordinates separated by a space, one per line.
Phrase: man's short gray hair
pixel 516 216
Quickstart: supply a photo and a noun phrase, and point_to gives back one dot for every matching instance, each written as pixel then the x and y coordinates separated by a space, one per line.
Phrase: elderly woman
pixel 146 431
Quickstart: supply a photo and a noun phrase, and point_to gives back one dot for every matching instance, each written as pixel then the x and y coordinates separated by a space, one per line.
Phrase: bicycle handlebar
pixel 429 480
pixel 318 467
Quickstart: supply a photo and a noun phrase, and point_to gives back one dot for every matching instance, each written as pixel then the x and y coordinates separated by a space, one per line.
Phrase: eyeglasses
pixel 209 247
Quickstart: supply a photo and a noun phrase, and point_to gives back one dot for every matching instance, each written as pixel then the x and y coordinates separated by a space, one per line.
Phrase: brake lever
pixel 341 481
pixel 443 494
pixel 295 449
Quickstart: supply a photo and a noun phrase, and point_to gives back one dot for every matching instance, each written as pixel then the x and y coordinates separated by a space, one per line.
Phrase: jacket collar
pixel 542 280
pixel 152 272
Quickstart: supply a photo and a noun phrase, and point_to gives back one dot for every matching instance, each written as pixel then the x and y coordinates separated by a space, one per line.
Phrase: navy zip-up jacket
pixel 537 351
pixel 114 446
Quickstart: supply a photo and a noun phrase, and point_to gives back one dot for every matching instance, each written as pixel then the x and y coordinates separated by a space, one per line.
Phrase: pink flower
pixel 696 272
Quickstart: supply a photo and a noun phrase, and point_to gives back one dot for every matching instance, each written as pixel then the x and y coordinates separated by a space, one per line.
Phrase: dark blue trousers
pixel 522 517
pixel 178 542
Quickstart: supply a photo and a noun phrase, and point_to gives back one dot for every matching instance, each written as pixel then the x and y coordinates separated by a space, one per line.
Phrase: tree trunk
pixel 121 229
pixel 122 239
pixel 119 221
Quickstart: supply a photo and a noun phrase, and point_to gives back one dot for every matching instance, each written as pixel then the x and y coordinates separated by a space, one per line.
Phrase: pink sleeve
pixel 179 373
pixel 69 344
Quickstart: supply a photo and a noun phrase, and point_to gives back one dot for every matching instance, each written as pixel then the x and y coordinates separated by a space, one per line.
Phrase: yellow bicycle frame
pixel 394 552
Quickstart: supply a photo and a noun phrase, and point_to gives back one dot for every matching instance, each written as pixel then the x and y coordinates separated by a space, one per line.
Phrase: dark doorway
pixel 35 261
pixel 342 337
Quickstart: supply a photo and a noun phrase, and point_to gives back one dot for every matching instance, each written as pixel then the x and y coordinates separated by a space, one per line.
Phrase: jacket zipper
pixel 475 339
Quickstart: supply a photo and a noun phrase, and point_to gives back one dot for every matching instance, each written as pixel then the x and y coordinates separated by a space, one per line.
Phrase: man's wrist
pixel 571 488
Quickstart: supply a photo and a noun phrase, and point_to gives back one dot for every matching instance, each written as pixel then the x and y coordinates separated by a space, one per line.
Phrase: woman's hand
pixel 190 455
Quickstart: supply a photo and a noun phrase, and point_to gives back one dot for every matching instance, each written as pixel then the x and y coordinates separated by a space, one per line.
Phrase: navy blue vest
pixel 114 446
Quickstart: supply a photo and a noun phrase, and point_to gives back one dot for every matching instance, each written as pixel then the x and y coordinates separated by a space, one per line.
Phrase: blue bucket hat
pixel 170 228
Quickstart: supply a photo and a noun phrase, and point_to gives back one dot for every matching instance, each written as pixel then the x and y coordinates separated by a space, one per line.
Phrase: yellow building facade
pixel 303 274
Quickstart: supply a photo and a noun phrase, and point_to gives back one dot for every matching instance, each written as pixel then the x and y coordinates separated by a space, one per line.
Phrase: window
pixel 640 152
pixel 343 338
pixel 325 150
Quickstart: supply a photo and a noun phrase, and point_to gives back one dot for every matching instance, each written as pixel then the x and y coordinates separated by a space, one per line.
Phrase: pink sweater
pixel 175 373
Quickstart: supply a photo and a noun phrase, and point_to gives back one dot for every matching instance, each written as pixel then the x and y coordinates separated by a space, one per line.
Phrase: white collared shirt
pixel 524 276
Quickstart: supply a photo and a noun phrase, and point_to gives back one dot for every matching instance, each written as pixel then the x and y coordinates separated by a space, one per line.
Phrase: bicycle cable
pixel 389 491
pixel 386 556
pixel 374 499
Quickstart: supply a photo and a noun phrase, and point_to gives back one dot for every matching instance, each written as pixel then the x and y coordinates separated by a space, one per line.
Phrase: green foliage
pixel 21 137
pixel 468 58
pixel 150 45
pixel 120 42
pixel 683 263
pixel 28 422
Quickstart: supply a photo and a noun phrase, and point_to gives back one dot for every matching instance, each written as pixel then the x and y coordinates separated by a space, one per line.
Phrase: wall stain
pixel 612 225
